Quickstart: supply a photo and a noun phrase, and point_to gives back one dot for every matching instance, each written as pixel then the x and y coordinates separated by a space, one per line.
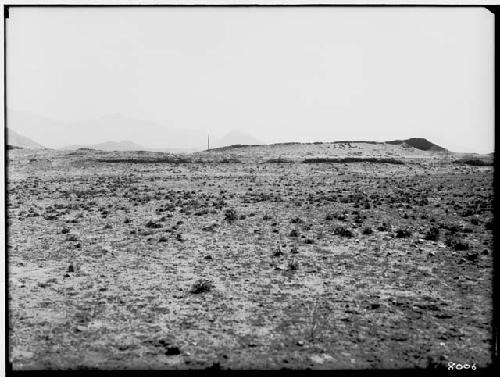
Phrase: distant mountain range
pixel 57 134
pixel 44 132
pixel 146 135
pixel 17 140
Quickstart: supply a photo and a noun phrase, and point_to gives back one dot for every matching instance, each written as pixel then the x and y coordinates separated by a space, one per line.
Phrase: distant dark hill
pixel 18 140
pixel 419 143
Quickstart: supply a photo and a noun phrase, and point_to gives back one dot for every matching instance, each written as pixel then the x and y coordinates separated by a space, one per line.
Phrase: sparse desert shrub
pixel 472 256
pixel 343 232
pixel 474 221
pixel 294 233
pixel 209 228
pixel 152 224
pixel 201 286
pixel 432 234
pixel 457 244
pixel 293 265
pixel 296 220
pixel 140 160
pixel 230 214
pixel 403 233
pixel 230 160
pixel 309 241
pixel 489 225
pixel 352 160
pixel 452 228
pixel 279 161
pixel 385 227
pixel 278 253
pixel 341 217
pixel 367 231
pixel 474 162
pixel 358 220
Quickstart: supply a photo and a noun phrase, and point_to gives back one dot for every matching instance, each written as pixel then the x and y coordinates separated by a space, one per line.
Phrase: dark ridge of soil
pixel 167 160
pixel 279 161
pixel 474 162
pixel 353 160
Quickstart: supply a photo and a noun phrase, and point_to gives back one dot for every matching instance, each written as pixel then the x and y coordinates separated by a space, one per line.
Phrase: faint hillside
pixel 17 140
pixel 56 134
pixel 109 146
pixel 126 146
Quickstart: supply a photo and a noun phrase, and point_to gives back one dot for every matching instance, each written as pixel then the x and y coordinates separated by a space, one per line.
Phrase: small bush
pixel 489 225
pixel 230 214
pixel 230 160
pixel 403 233
pixel 432 234
pixel 343 232
pixel 385 227
pixel 367 230
pixel 201 286
pixel 152 224
pixel 457 244
pixel 352 160
pixel 278 161
pixel 294 233
pixel 278 253
pixel 474 162
pixel 293 265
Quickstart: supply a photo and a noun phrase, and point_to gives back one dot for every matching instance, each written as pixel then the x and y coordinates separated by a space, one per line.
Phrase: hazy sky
pixel 280 74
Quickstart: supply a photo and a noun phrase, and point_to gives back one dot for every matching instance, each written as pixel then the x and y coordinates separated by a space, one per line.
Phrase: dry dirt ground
pixel 248 265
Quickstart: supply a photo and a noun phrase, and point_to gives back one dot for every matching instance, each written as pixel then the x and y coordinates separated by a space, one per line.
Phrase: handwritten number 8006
pixel 453 366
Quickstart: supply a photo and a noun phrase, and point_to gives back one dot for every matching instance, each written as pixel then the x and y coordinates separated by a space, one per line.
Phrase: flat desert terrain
pixel 249 258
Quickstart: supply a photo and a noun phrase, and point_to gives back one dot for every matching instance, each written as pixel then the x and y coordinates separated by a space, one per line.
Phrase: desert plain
pixel 322 256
